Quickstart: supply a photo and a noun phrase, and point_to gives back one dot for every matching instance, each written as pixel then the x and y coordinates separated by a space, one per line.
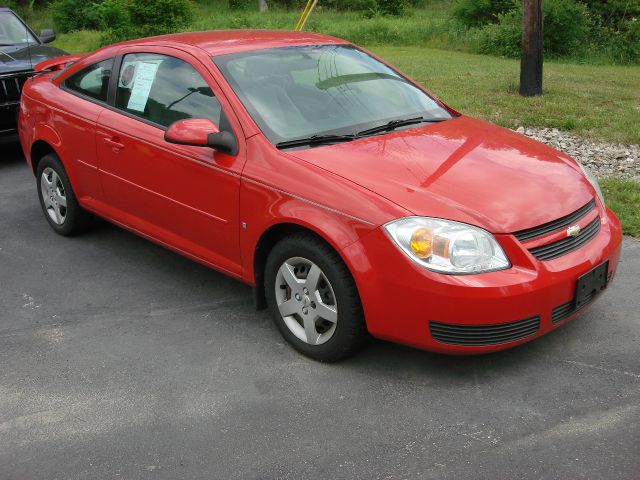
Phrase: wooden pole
pixel 531 57
pixel 262 5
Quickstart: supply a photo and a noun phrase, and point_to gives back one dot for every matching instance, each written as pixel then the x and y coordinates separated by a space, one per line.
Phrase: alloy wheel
pixel 306 300
pixel 53 195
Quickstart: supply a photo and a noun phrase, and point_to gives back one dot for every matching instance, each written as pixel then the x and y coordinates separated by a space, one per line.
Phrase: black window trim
pixel 110 104
pixel 66 88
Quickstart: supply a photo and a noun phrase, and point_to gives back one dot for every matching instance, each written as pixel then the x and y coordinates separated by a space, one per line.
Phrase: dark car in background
pixel 20 50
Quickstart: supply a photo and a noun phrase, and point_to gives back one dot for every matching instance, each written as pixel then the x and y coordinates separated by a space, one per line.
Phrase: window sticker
pixel 141 79
pixel 128 74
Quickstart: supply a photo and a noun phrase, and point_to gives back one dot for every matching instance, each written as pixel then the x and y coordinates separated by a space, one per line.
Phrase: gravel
pixel 604 159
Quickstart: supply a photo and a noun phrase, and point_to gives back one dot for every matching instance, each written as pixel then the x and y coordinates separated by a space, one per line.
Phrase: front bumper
pixel 401 299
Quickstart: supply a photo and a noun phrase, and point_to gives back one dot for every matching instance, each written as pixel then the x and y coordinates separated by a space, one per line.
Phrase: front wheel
pixel 313 299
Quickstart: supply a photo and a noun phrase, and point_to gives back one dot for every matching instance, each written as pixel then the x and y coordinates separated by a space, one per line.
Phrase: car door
pixel 183 196
pixel 77 108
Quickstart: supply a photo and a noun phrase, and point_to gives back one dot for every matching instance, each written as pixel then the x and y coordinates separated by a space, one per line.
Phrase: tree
pixel 263 5
pixel 531 56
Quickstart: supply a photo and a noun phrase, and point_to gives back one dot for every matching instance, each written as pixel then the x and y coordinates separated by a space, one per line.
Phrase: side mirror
pixel 201 132
pixel 47 35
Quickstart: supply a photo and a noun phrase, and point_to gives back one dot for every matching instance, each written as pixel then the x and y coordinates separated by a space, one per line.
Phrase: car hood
pixel 464 170
pixel 18 58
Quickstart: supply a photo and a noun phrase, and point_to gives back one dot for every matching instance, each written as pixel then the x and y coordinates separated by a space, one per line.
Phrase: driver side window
pixel 164 89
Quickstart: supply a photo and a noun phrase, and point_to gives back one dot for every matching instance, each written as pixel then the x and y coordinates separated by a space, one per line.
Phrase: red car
pixel 349 197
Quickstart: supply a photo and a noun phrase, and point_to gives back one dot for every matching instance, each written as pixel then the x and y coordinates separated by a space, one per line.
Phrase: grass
pixel 623 197
pixel 78 42
pixel 601 102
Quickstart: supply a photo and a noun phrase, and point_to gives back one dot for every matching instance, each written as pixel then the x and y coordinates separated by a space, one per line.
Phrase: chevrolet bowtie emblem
pixel 573 231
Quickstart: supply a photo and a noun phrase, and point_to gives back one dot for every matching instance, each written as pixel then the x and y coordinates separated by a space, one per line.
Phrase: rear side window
pixel 164 89
pixel 92 81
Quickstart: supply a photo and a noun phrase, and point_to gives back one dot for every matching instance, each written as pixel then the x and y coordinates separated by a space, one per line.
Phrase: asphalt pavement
pixel 122 360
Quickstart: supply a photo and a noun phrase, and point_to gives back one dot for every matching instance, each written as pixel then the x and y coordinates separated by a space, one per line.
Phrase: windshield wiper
pixel 393 124
pixel 316 140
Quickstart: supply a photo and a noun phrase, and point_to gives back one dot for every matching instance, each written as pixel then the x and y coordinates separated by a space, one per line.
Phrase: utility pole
pixel 263 5
pixel 531 56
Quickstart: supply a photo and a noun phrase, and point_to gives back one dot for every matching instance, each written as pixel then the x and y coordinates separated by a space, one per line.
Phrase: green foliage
pixel 383 7
pixel 126 19
pixel 343 5
pixel 430 23
pixel 623 197
pixel 474 13
pixel 115 21
pixel 614 13
pixel 567 25
pixel 391 7
pixel 242 4
pixel 156 17
pixel 71 15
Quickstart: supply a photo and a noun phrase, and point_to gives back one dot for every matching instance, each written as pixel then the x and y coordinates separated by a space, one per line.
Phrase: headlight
pixel 592 179
pixel 446 246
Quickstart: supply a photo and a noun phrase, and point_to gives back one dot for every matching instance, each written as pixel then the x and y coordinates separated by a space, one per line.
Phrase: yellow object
pixel 311 4
pixel 422 243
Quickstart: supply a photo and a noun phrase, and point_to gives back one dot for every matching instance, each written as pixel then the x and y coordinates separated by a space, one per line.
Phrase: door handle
pixel 114 143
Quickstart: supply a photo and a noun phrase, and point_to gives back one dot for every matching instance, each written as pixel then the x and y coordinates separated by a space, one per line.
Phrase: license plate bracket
pixel 591 284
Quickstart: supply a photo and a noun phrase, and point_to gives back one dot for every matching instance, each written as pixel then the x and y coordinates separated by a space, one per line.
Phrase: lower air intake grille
pixel 566 245
pixel 484 334
pixel 565 310
pixel 562 311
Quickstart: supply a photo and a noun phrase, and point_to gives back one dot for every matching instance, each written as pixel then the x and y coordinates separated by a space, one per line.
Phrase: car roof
pixel 222 42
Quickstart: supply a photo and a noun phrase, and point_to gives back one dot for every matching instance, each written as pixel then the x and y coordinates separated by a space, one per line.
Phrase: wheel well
pixel 38 150
pixel 267 241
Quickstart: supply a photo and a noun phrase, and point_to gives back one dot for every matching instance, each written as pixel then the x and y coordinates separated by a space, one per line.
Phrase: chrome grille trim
pixel 563 222
pixel 562 247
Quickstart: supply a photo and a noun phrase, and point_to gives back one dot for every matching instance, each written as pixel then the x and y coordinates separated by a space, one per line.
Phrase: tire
pixel 324 293
pixel 57 199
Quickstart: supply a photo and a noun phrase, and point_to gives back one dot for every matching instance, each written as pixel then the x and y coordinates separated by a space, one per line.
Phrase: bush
pixel 387 7
pixel 614 13
pixel 622 46
pixel 567 25
pixel 157 17
pixel 72 15
pixel 242 4
pixel 474 13
pixel 126 19
pixel 391 7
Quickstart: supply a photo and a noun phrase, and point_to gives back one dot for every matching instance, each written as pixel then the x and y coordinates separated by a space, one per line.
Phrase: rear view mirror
pixel 47 35
pixel 201 132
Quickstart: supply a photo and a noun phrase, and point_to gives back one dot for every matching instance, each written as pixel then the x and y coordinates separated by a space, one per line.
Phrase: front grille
pixel 484 334
pixel 11 86
pixel 566 245
pixel 546 228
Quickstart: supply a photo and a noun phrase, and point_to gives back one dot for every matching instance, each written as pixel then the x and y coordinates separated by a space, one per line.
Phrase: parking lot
pixel 120 359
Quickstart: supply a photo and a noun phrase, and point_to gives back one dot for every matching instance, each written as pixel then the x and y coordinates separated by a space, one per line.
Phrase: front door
pixel 186 197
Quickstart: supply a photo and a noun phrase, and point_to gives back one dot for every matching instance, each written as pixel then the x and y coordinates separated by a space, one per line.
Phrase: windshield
pixel 13 31
pixel 298 92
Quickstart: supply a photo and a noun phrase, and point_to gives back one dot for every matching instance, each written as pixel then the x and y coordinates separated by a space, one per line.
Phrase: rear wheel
pixel 58 202
pixel 313 299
